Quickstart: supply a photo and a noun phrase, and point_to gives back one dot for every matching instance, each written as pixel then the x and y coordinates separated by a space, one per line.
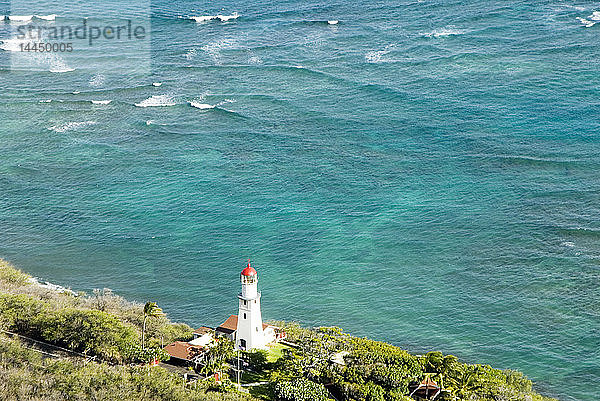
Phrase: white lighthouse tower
pixel 249 333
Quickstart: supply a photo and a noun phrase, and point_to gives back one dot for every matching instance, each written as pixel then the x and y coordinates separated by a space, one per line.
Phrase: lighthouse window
pixel 244 303
pixel 255 301
pixel 257 328
pixel 244 315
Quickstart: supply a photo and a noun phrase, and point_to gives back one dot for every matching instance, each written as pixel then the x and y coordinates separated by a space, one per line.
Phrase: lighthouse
pixel 249 333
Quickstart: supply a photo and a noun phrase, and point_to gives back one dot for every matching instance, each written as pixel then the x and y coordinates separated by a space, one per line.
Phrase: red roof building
pixel 249 271
pixel 183 351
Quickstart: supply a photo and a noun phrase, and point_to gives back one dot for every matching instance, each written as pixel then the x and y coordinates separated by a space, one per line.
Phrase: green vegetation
pixel 300 390
pixel 25 375
pixel 151 309
pixel 360 369
pixel 325 363
pixel 11 276
pixel 75 327
pixel 101 325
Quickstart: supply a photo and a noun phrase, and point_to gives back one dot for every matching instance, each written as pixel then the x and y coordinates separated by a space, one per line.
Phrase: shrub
pixel 19 312
pixel 11 275
pixel 300 390
pixel 366 392
pixel 88 331
pixel 26 376
pixel 133 352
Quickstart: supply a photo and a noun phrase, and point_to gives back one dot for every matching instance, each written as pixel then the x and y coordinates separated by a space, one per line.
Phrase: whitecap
pixel 595 16
pixel 50 17
pixel 440 33
pixel 222 18
pixel 333 22
pixel 157 101
pixel 202 106
pixel 20 18
pixel 568 244
pixel 12 45
pixel 204 18
pixel 157 84
pixel 585 22
pixel 46 101
pixel 76 92
pixel 71 126
pixel 61 68
pixel 225 18
pixel 205 106
pixel 375 56
pixel 102 102
pixel 213 49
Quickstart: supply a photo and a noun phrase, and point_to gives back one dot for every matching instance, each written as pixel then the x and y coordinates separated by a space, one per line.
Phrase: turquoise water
pixel 424 173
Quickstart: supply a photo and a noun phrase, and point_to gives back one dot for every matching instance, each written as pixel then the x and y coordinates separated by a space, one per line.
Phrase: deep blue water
pixel 423 172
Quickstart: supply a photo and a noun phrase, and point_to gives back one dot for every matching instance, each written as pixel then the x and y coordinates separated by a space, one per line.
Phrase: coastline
pixel 337 353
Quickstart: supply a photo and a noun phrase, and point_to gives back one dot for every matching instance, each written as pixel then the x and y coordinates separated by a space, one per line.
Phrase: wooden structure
pixel 426 390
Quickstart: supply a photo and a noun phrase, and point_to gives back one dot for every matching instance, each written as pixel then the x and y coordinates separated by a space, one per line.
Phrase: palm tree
pixel 151 309
pixel 466 382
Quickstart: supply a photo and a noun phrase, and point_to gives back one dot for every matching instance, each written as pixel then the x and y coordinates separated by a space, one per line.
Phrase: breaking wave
pixel 157 101
pixel 595 16
pixel 202 106
pixel 71 126
pixel 61 67
pixel 590 20
pixel 220 17
pixel 12 45
pixel 444 32
pixel 49 17
pixel 102 102
pixel 20 18
pixel 585 22
pixel 205 106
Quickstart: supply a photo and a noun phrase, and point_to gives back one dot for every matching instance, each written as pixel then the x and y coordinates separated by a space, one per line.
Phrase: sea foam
pixel 595 16
pixel 585 22
pixel 440 33
pixel 20 18
pixel 12 45
pixel 202 106
pixel 102 102
pixel 71 126
pixel 157 101
pixel 222 18
pixel 58 65
pixel 49 17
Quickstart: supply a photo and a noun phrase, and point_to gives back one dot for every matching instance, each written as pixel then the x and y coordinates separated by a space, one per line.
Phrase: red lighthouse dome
pixel 249 271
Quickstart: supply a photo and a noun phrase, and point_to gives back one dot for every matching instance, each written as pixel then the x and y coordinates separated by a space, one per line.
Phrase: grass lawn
pixel 275 352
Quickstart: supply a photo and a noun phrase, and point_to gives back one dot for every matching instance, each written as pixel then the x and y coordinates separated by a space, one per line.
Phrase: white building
pixel 249 333
pixel 246 329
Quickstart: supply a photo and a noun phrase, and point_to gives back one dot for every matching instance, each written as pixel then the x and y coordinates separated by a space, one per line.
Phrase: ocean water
pixel 425 173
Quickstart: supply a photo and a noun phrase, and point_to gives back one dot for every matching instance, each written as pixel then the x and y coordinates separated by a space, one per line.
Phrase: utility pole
pixel 238 370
